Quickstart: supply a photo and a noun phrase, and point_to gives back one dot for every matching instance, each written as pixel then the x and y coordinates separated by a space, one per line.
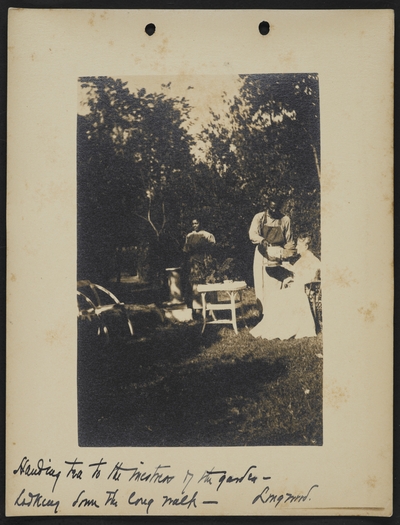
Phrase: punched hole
pixel 150 29
pixel 264 28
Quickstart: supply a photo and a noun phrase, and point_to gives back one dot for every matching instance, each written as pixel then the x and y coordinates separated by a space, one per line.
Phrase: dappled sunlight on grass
pixel 176 387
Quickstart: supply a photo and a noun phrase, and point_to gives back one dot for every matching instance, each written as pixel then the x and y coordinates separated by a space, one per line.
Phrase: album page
pixel 200 262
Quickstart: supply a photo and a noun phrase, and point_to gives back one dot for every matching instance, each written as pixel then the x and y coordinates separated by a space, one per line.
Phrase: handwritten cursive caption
pixel 178 489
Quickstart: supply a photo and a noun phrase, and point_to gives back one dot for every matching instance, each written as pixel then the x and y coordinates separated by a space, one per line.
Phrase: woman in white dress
pixel 291 316
pixel 271 233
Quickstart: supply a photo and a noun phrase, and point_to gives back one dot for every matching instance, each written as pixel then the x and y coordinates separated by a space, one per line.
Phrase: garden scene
pixel 153 158
pixel 171 386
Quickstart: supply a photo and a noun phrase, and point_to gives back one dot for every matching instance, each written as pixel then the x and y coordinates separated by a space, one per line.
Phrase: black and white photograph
pixel 199 247
pixel 200 263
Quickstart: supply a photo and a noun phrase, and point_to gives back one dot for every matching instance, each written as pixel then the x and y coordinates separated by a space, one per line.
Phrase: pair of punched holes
pixel 263 28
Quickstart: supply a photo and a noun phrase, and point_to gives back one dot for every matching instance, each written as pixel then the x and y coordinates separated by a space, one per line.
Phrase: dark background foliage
pixel 140 183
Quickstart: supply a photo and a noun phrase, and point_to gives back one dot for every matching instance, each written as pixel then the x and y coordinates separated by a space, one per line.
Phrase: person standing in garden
pixel 199 261
pixel 271 232
pixel 291 315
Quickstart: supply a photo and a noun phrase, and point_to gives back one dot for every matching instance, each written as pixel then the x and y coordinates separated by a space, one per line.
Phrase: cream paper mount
pixel 89 429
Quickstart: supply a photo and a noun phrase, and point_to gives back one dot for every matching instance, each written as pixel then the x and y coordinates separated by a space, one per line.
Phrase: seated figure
pixel 289 314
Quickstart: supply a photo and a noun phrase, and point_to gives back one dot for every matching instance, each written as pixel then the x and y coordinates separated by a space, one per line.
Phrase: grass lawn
pixel 172 386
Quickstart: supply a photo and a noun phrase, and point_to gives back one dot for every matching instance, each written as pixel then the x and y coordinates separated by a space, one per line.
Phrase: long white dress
pixel 264 285
pixel 289 313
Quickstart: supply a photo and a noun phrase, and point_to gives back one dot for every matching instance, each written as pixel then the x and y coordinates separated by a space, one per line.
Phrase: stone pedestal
pixel 174 285
pixel 176 309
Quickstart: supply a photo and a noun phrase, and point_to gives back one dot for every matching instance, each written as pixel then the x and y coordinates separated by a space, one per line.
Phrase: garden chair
pixel 103 308
pixel 88 318
pixel 314 293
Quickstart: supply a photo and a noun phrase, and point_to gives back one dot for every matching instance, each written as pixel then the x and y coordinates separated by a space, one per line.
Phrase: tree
pixel 139 184
pixel 268 140
pixel 133 150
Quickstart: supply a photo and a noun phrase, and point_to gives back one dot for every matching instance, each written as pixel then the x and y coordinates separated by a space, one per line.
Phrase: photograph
pixel 199 263
pixel 198 266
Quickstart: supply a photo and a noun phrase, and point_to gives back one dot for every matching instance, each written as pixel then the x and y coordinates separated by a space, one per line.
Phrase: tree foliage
pixel 139 182
pixel 133 152
pixel 266 141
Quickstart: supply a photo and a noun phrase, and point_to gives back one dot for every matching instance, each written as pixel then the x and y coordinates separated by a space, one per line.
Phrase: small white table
pixel 233 290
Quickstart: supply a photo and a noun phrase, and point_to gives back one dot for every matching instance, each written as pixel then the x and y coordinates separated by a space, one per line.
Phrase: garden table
pixel 233 291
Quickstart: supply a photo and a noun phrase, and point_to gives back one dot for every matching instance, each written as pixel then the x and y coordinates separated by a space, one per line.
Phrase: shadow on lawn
pixel 155 392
